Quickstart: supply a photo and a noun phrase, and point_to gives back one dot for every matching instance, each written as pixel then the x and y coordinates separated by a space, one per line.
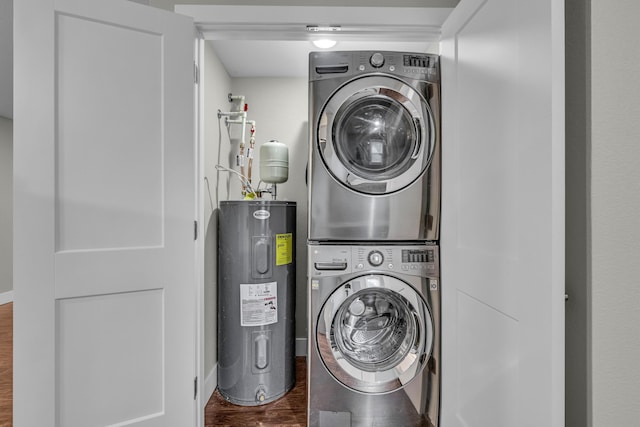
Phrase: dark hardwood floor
pixel 6 365
pixel 288 411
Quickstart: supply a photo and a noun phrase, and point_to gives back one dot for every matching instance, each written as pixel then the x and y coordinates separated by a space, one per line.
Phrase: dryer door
pixel 375 334
pixel 375 135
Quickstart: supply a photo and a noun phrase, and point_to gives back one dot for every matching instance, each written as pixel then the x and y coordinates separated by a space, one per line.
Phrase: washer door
pixel 375 135
pixel 375 334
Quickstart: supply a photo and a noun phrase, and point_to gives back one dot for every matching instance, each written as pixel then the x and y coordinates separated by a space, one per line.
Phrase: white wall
pixel 279 106
pixel 6 58
pixel 217 85
pixel 615 212
pixel 6 205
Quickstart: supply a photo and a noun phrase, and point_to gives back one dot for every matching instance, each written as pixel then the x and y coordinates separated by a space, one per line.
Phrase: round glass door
pixel 375 135
pixel 375 334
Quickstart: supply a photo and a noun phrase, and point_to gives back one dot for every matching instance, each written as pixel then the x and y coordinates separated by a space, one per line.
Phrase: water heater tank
pixel 256 300
pixel 274 162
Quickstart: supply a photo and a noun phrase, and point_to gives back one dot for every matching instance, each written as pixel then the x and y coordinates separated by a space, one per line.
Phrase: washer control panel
pixel 419 260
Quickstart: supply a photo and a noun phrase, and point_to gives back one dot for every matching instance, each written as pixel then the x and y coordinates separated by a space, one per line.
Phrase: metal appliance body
pixel 374 171
pixel 256 300
pixel 374 326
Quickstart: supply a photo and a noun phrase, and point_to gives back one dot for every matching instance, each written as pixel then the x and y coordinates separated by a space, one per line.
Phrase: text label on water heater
pixel 261 214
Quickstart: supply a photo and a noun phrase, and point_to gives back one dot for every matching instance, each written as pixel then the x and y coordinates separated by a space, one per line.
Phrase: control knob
pixel 377 60
pixel 375 258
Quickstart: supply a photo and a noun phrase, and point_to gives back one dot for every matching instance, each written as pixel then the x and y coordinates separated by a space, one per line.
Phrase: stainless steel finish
pixel 374 165
pixel 374 348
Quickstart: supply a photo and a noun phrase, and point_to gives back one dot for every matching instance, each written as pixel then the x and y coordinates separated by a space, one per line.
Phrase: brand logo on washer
pixel 261 214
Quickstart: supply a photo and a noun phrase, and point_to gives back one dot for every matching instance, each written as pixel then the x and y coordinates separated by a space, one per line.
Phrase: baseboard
pixel 210 384
pixel 6 297
pixel 301 346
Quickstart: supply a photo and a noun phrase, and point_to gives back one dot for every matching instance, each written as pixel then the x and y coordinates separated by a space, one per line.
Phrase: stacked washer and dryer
pixel 373 267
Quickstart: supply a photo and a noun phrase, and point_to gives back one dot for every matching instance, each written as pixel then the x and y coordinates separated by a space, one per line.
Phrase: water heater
pixel 256 300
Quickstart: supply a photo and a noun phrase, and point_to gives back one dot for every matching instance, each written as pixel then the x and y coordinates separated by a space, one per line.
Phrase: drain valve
pixel 261 395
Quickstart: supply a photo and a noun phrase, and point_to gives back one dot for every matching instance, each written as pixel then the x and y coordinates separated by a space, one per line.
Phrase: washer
pixel 375 146
pixel 374 326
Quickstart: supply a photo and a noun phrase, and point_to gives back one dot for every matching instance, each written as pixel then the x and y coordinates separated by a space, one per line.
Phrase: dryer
pixel 375 146
pixel 374 326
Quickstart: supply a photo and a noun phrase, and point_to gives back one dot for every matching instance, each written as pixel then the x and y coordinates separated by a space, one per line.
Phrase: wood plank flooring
pixel 288 411
pixel 6 365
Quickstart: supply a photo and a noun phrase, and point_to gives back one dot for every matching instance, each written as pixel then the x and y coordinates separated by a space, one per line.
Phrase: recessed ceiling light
pixel 324 43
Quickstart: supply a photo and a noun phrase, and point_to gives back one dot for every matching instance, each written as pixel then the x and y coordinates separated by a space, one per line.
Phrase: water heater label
pixel 284 249
pixel 258 304
pixel 261 214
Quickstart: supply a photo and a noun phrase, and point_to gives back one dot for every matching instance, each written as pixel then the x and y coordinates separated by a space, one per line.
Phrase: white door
pixel 502 235
pixel 105 283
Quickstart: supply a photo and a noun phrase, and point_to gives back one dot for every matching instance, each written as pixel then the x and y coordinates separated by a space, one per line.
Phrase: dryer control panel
pixel 332 64
pixel 422 260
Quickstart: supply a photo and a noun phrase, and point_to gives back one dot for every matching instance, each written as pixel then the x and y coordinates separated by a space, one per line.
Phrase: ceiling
pixel 275 41
pixel 254 40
